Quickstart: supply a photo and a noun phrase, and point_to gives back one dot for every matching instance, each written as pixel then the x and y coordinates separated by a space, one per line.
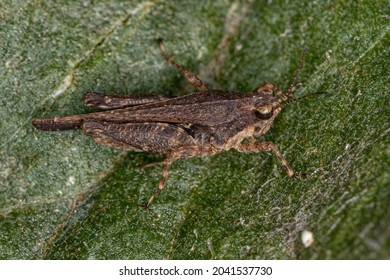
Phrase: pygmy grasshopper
pixel 196 125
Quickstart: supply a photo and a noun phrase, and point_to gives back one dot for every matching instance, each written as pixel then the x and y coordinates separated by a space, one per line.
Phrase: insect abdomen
pixel 58 123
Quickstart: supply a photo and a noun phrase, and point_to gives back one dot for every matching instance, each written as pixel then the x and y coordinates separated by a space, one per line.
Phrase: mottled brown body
pixel 195 125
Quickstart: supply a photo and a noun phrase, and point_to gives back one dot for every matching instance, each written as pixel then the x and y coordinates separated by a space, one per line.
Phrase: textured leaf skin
pixel 62 196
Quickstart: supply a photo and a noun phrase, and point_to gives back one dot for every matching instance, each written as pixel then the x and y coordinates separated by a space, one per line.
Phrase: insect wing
pixel 209 108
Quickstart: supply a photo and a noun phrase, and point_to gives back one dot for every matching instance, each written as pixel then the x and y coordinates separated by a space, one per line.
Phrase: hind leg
pixel 191 77
pixel 159 138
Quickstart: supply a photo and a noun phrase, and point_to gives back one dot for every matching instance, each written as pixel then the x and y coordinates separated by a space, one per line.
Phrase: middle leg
pixel 184 152
pixel 161 184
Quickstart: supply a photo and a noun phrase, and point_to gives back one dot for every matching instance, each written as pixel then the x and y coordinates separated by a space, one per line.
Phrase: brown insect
pixel 196 125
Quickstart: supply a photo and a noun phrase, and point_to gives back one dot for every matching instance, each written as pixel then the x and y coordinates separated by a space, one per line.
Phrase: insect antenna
pixel 287 98
pixel 293 84
pixel 289 101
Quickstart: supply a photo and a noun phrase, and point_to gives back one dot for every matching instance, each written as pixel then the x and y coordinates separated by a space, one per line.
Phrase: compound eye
pixel 264 111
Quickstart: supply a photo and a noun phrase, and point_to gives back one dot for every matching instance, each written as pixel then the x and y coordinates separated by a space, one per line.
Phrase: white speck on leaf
pixel 328 54
pixel 307 238
pixel 71 181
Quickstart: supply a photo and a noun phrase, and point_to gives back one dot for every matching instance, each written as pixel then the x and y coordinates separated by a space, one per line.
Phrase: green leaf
pixel 63 196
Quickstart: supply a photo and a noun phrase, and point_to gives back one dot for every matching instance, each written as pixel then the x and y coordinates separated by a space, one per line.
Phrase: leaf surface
pixel 63 196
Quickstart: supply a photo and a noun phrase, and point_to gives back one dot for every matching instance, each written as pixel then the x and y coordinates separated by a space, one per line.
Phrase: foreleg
pixel 268 147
